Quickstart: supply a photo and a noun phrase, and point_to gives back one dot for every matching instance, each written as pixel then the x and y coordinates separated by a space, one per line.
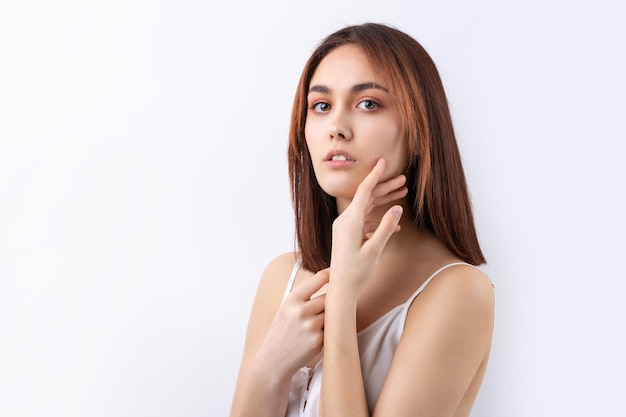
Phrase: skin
pixel 378 260
pixel 351 111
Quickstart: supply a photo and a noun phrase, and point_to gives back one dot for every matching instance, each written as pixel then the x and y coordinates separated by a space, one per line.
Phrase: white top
pixel 377 345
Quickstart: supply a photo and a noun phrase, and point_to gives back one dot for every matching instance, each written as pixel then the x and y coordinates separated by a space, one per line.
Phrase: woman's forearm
pixel 263 393
pixel 343 392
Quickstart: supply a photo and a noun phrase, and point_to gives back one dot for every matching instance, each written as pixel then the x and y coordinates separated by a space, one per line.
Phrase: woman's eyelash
pixel 368 104
pixel 321 106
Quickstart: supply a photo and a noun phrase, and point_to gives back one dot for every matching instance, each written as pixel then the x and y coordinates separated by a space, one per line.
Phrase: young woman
pixel 382 311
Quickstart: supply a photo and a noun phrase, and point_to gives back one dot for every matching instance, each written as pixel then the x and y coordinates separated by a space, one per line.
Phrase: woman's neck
pixel 407 229
pixel 418 242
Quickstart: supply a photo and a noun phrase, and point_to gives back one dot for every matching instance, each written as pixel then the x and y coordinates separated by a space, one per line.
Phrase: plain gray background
pixel 143 188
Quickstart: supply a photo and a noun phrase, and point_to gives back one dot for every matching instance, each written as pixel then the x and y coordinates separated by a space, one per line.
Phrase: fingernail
pixel 397 211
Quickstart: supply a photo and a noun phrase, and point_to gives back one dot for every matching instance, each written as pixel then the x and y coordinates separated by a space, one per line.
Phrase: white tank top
pixel 377 345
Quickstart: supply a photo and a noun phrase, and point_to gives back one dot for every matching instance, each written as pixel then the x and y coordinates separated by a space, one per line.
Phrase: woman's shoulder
pixel 276 275
pixel 448 332
pixel 280 267
pixel 461 280
pixel 458 288
pixel 270 290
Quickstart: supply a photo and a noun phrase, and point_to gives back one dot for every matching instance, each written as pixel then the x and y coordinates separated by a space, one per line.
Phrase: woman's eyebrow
pixel 319 89
pixel 368 86
pixel 355 89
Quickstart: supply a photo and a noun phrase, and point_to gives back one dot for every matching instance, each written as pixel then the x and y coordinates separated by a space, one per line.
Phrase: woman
pixel 382 312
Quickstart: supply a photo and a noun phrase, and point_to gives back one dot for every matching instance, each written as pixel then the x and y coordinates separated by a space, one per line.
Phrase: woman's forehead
pixel 346 64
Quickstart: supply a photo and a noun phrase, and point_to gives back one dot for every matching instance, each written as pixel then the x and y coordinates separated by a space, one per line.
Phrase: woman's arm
pixel 444 347
pixel 447 335
pixel 438 364
pixel 352 261
pixel 280 340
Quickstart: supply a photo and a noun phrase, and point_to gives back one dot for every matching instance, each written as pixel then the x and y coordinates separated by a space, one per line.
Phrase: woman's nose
pixel 339 130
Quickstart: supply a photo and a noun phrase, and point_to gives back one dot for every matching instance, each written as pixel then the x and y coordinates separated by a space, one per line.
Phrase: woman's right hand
pixel 296 335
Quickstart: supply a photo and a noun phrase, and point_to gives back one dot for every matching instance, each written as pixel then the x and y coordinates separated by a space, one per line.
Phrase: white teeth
pixel 339 158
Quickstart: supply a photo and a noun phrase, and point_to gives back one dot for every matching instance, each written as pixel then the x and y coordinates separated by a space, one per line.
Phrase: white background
pixel 143 188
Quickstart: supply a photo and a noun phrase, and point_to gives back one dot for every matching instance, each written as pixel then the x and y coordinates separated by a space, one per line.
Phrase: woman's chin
pixel 343 191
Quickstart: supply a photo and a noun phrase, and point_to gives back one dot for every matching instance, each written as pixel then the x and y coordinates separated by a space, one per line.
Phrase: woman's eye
pixel 321 107
pixel 368 105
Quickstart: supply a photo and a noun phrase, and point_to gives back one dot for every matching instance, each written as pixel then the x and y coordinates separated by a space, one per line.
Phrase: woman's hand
pixel 356 250
pixel 297 333
pixel 357 243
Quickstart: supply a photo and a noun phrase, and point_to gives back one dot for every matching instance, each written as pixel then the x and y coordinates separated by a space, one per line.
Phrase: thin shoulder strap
pixel 292 278
pixel 407 305
pixel 430 278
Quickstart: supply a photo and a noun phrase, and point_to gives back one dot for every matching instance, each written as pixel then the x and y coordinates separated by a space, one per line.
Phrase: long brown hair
pixel 435 178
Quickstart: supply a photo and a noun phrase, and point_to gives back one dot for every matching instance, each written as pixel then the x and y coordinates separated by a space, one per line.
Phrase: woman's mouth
pixel 339 159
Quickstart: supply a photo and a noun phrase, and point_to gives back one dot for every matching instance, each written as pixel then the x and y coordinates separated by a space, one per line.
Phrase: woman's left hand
pixel 358 244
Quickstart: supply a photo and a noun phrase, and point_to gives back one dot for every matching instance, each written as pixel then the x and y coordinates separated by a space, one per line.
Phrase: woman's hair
pixel 435 179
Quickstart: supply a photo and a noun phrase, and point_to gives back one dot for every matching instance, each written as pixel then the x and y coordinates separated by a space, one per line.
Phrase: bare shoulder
pixel 460 296
pixel 269 294
pixel 461 282
pixel 444 348
pixel 275 277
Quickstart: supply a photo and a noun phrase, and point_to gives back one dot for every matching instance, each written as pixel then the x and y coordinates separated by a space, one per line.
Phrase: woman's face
pixel 351 123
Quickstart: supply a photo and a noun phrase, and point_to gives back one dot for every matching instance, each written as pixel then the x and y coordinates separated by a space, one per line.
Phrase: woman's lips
pixel 339 159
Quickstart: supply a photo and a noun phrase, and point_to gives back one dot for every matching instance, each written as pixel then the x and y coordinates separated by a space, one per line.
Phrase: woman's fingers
pixel 363 194
pixel 389 186
pixel 372 194
pixel 370 227
pixel 385 229
pixel 315 305
pixel 321 291
pixel 392 196
pixel 309 287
